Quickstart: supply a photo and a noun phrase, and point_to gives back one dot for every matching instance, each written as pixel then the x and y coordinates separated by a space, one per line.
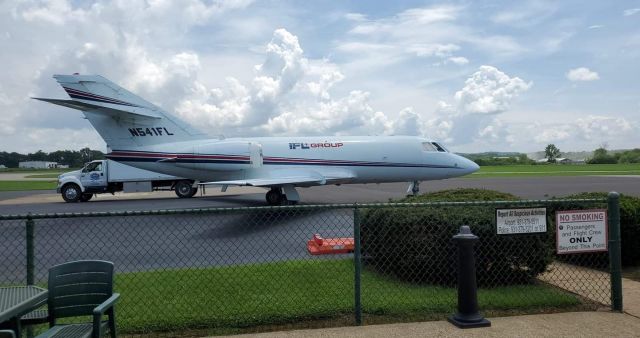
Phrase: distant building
pixel 38 165
pixel 2 166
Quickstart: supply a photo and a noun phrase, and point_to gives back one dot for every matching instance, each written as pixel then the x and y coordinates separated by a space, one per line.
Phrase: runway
pixel 140 243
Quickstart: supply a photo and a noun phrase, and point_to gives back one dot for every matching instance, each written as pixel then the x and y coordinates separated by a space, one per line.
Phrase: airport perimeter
pixel 213 271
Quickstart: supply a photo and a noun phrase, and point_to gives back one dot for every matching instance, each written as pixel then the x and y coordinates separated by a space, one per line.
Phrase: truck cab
pixel 106 176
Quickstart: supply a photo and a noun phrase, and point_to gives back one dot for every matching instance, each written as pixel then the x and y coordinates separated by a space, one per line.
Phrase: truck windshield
pixel 94 166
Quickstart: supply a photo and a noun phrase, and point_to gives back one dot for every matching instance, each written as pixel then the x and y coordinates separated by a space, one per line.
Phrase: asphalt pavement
pixel 530 188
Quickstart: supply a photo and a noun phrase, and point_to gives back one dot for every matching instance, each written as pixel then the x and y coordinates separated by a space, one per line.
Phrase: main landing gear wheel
pixel 184 189
pixel 71 193
pixel 85 197
pixel 275 197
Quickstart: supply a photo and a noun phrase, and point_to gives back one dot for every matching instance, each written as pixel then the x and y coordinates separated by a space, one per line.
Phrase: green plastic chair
pixel 7 334
pixel 81 288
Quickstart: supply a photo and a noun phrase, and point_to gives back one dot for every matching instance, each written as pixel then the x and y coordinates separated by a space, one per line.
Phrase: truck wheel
pixel 71 193
pixel 184 189
pixel 85 197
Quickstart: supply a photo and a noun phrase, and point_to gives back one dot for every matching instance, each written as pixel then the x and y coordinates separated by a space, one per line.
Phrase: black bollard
pixel 467 315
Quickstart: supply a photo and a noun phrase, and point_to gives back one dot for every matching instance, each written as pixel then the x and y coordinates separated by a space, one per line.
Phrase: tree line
pixel 73 158
pixel 600 155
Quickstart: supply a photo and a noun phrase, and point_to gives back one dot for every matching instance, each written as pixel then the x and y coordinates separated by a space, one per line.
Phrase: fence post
pixel 357 262
pixel 615 264
pixel 30 224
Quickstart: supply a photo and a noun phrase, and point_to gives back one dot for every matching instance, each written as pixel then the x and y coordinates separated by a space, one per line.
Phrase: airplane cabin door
pixel 255 155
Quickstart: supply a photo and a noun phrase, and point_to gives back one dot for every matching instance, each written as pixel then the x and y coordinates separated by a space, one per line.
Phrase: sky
pixel 477 76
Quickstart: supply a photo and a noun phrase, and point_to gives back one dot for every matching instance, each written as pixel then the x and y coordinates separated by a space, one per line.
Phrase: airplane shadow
pixel 273 222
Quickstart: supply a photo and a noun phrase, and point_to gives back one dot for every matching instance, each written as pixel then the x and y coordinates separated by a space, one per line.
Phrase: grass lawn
pixel 27 185
pixel 236 298
pixel 556 170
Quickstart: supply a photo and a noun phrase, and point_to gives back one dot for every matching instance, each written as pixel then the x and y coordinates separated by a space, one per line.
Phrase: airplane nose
pixel 467 166
pixel 472 166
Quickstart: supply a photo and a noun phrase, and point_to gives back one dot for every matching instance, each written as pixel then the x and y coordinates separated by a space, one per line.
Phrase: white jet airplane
pixel 141 134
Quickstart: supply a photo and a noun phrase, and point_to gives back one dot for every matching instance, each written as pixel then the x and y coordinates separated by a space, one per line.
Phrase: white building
pixel 2 166
pixel 38 165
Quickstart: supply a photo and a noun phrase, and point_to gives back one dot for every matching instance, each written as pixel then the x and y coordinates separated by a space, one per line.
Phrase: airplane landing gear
pixel 414 188
pixel 280 196
pixel 275 196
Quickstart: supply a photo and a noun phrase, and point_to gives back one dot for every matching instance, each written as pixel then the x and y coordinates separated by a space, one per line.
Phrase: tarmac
pixel 569 324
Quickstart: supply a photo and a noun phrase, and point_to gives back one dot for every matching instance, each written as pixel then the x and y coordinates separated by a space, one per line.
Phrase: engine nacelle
pixel 222 156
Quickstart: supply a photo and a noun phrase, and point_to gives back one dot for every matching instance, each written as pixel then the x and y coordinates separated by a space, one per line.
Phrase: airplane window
pixel 439 147
pixel 426 146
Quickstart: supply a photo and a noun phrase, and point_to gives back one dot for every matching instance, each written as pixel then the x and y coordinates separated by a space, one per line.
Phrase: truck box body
pixel 119 172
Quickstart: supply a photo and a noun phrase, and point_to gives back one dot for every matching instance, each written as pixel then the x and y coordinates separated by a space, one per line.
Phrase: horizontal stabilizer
pixel 112 110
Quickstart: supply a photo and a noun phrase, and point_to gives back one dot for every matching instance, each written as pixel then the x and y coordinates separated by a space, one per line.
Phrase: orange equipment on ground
pixel 327 246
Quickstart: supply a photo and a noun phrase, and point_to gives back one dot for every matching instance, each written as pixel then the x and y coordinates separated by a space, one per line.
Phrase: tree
pixel 601 156
pixel 551 152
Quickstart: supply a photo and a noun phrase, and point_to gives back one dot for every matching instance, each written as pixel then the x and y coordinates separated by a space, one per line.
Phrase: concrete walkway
pixel 570 324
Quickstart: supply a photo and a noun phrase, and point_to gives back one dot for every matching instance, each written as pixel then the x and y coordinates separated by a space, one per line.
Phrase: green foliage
pixel 414 244
pixel 551 152
pixel 601 156
pixel 629 225
pixel 629 156
pixel 492 159
pixel 73 158
pixel 27 185
pixel 556 170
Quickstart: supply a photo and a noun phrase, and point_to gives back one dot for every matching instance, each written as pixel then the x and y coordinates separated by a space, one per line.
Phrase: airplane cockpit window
pixel 439 147
pixel 426 146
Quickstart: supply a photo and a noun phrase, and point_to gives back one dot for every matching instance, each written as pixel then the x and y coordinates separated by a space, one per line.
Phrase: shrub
pixel 414 244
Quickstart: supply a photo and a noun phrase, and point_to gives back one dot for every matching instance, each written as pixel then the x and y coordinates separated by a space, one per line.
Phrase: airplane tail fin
pixel 125 121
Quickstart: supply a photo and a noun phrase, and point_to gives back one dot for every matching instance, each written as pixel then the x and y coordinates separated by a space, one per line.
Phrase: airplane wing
pixel 299 177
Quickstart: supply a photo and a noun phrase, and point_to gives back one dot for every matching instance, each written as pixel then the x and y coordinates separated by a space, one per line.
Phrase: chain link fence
pixel 221 271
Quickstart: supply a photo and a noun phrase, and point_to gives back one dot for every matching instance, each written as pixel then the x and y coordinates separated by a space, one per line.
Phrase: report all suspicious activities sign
pixel 581 231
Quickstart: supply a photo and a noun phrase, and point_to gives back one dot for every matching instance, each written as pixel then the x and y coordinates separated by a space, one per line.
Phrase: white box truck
pixel 107 176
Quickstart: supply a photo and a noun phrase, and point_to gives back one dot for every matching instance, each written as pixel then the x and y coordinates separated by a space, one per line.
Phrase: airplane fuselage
pixel 369 159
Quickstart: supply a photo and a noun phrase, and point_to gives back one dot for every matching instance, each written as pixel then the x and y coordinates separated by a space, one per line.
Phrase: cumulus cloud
pixel 582 74
pixel 288 95
pixel 488 91
pixel 549 134
pixel 408 123
pixel 595 126
pixel 591 129
pixel 98 37
pixel 473 116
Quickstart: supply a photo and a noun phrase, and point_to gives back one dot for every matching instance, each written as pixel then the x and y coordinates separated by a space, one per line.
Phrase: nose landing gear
pixel 414 188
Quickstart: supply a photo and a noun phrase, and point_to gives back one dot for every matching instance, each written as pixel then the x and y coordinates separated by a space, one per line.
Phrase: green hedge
pixel 414 244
